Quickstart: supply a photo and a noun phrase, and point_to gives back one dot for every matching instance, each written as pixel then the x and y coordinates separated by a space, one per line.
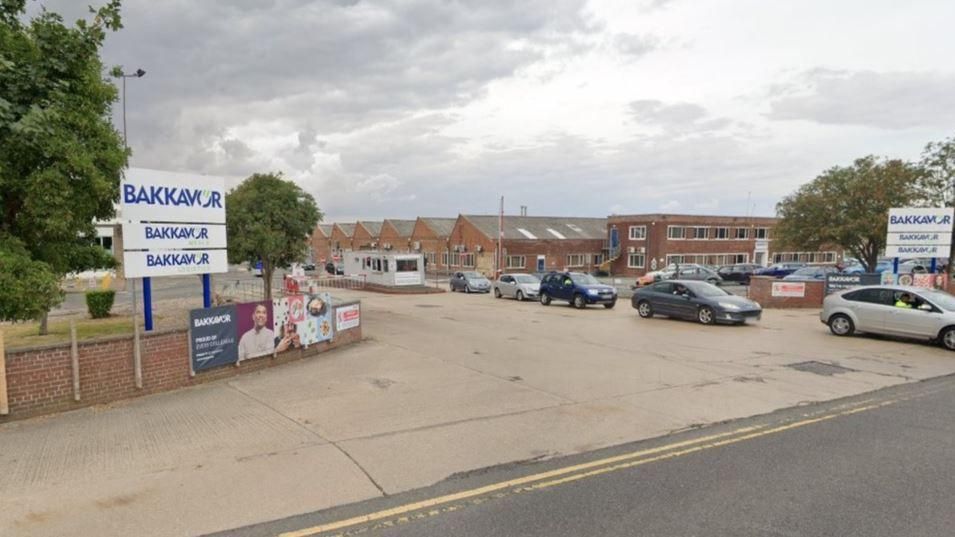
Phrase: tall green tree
pixel 269 219
pixel 937 185
pixel 848 207
pixel 61 159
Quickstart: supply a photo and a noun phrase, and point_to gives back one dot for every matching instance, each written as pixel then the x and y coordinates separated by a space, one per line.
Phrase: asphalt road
pixel 881 464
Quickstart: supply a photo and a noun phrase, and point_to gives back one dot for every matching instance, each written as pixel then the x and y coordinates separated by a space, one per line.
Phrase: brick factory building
pixel 652 241
pixel 396 235
pixel 321 243
pixel 342 237
pixel 430 237
pixel 530 243
pixel 365 235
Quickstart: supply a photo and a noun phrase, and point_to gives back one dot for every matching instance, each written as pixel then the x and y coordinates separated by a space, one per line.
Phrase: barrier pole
pixel 148 303
pixel 206 290
pixel 4 404
pixel 75 361
pixel 137 356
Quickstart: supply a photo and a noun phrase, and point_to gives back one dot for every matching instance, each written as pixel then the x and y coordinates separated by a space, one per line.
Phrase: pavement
pixel 442 385
pixel 877 465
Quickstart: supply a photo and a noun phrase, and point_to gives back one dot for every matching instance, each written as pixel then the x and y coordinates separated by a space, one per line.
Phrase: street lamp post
pixel 147 287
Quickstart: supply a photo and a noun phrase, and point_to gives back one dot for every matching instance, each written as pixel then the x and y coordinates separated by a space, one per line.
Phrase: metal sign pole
pixel 207 290
pixel 137 357
pixel 148 303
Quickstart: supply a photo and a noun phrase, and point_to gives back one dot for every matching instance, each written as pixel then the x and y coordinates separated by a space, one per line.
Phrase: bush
pixel 99 303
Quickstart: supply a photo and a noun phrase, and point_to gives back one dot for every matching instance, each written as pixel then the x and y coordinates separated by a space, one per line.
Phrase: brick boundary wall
pixel 761 290
pixel 40 379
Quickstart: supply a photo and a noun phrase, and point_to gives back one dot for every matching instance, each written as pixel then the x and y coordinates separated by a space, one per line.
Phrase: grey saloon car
pixel 893 310
pixel 519 286
pixel 470 282
pixel 699 301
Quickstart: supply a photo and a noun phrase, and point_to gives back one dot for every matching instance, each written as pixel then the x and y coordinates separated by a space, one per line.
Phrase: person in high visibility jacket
pixel 905 301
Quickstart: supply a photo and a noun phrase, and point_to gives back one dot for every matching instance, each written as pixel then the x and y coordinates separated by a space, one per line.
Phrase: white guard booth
pixel 382 268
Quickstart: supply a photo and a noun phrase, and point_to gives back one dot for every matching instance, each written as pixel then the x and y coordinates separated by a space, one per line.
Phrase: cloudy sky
pixel 401 108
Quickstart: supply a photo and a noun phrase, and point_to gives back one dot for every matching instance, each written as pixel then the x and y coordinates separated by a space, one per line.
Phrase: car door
pixel 684 306
pixel 662 298
pixel 912 322
pixel 870 307
pixel 457 281
pixel 506 285
pixel 565 287
pixel 728 273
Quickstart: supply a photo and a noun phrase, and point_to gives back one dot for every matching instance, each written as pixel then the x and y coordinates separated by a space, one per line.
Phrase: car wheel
pixel 579 302
pixel 497 293
pixel 467 289
pixel 519 296
pixel 545 299
pixel 610 305
pixel 644 309
pixel 713 281
pixel 451 287
pixel 948 338
pixel 705 315
pixel 841 325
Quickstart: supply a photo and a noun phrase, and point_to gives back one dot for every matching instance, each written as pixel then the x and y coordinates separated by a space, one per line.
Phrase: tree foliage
pixel 269 219
pixel 61 159
pixel 848 207
pixel 938 167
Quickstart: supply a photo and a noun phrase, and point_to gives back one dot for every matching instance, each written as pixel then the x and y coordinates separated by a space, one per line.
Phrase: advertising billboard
pixel 213 337
pixel 138 264
pixel 156 196
pixel 255 329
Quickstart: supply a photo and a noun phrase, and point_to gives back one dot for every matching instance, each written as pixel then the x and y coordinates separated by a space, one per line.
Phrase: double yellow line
pixel 580 471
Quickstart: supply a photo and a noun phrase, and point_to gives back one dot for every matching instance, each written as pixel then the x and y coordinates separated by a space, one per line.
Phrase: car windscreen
pixel 526 278
pixel 472 275
pixel 806 271
pixel 706 290
pixel 583 279
pixel 940 299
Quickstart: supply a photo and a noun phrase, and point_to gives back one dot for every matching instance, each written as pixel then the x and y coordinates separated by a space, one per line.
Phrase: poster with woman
pixel 284 311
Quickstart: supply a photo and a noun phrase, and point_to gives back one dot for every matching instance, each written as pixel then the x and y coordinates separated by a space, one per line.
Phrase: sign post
pixel 173 225
pixel 919 232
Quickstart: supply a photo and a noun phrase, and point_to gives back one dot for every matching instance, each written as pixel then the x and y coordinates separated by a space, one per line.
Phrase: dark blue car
pixel 576 288
pixel 780 270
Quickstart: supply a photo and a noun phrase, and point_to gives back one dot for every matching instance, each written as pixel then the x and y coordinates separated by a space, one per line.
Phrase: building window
pixel 742 233
pixel 406 265
pixel 676 232
pixel 516 261
pixel 429 258
pixel 467 260
pixel 721 233
pixel 708 259
pixel 804 257
pixel 698 232
pixel 455 259
pixel 576 260
pixel 598 259
pixel 445 259
pixel 762 233
pixel 638 233
pixel 635 260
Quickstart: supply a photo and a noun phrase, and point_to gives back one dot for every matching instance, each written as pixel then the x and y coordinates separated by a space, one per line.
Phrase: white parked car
pixel 894 310
pixel 519 286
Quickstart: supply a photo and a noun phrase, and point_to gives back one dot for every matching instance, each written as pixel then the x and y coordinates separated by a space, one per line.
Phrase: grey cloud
pixel 676 118
pixel 888 100
pixel 635 45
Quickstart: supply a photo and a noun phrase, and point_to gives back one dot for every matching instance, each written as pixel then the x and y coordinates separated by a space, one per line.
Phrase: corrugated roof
pixel 541 227
pixel 326 229
pixel 404 227
pixel 441 226
pixel 349 229
pixel 373 227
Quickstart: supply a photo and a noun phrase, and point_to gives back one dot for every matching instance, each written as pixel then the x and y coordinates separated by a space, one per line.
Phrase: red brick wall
pixel 40 379
pixel 761 290
pixel 362 239
pixel 321 246
pixel 341 238
pixel 390 235
pixel 430 242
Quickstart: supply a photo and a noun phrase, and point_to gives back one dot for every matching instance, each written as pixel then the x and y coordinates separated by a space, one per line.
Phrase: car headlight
pixel 729 306
pixel 592 291
pixel 757 305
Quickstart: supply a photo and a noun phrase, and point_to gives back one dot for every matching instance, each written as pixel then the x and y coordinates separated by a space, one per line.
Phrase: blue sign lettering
pixel 920 219
pixel 171 196
pixel 177 232
pixel 176 259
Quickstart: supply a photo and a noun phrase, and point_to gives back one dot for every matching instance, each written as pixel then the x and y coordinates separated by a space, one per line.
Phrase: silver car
pixel 470 282
pixel 519 286
pixel 894 310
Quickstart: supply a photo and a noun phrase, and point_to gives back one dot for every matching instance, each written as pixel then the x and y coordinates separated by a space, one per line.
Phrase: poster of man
pixel 255 325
